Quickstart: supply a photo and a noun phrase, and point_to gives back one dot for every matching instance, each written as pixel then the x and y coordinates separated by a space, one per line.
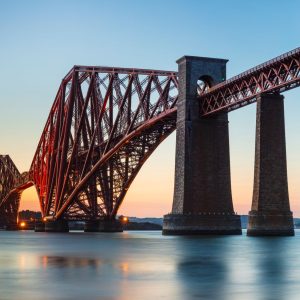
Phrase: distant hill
pixel 142 226
pixel 244 221
pixel 158 221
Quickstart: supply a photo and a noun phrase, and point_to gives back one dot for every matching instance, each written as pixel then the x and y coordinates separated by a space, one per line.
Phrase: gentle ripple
pixel 146 265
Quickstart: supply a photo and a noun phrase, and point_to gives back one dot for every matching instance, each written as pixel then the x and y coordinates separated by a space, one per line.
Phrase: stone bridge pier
pixel 202 201
pixel 270 213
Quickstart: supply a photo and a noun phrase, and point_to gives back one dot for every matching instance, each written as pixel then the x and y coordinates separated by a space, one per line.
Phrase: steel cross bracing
pixel 275 76
pixel 11 185
pixel 104 124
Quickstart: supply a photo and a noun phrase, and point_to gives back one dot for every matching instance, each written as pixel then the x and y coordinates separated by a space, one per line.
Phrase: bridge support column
pixel 270 213
pixel 103 226
pixel 202 201
pixel 60 225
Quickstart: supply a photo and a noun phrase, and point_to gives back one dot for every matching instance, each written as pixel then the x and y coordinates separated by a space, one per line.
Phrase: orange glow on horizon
pixel 29 200
pixel 144 201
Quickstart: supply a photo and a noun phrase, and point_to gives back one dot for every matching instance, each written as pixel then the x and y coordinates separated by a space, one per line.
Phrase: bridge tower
pixel 270 213
pixel 202 201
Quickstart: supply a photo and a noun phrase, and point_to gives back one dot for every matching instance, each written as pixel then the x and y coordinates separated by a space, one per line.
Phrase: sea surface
pixel 146 265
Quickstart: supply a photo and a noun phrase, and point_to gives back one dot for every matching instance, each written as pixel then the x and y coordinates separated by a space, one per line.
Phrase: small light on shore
pixel 123 219
pixel 22 224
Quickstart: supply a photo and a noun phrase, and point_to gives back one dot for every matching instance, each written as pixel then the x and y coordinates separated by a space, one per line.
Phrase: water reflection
pixel 202 267
pixel 69 262
pixel 146 265
pixel 272 263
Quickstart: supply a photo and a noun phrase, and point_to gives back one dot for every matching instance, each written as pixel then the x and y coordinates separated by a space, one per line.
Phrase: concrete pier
pixel 57 226
pixel 270 213
pixel 202 201
pixel 103 226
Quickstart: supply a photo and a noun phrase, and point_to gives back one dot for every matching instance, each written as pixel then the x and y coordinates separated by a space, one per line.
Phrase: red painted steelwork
pixel 12 183
pixel 275 76
pixel 103 125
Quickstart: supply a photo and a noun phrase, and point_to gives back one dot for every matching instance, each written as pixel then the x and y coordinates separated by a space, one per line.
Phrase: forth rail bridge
pixel 105 122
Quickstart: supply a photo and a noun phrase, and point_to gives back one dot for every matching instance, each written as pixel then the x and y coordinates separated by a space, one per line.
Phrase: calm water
pixel 146 265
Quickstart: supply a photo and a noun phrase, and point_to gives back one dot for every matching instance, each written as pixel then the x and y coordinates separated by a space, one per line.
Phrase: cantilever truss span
pixel 12 183
pixel 104 124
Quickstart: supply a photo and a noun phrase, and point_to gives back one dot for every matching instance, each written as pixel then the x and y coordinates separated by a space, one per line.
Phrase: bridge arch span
pixel 12 184
pixel 104 124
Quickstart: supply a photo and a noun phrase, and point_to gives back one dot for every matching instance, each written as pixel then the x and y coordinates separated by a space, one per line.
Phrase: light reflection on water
pixel 146 265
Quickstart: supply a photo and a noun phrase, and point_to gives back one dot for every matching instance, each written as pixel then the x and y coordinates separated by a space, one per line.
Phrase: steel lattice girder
pixel 104 124
pixel 11 185
pixel 277 75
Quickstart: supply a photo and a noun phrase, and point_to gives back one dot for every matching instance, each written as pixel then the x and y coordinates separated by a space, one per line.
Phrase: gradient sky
pixel 42 40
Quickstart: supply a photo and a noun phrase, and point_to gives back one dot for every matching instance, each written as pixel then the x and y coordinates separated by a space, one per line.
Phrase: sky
pixel 41 41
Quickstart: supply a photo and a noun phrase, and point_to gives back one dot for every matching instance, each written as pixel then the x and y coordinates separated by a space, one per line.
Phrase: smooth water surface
pixel 146 265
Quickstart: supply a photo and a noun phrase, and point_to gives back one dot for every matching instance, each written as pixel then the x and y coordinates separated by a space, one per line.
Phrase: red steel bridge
pixel 12 183
pixel 104 124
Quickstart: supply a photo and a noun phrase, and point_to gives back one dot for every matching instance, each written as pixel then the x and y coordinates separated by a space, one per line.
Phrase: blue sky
pixel 42 40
